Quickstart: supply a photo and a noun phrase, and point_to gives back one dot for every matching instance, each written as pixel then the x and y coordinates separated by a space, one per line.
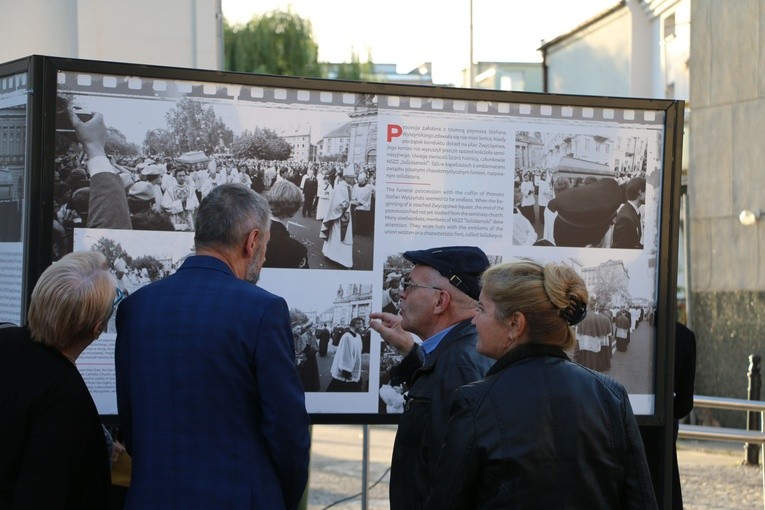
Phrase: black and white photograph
pixel 315 163
pixel 618 335
pixel 13 121
pixel 135 259
pixel 582 189
pixel 134 157
pixel 330 327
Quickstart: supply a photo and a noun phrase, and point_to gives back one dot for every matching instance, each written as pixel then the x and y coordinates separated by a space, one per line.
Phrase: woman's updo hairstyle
pixel 552 298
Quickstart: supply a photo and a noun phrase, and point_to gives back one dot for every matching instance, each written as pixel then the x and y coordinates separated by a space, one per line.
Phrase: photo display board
pixel 522 176
pixel 14 91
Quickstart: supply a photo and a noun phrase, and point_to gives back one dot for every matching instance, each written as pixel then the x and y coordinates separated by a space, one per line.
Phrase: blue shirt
pixel 431 343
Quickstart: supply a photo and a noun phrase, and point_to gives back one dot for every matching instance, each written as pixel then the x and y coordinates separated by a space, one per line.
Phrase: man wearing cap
pixel 337 226
pixel 437 304
pixel 143 216
pixel 585 213
pixel 153 175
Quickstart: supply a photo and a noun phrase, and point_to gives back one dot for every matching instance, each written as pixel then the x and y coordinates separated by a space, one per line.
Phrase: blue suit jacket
pixel 208 393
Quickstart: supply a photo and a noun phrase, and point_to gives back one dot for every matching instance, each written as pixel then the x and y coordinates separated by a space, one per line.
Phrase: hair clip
pixel 574 314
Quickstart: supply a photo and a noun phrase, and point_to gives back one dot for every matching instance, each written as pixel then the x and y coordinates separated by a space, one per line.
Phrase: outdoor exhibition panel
pixel 445 164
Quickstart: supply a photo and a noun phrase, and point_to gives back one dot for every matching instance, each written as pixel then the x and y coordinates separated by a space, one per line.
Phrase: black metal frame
pixel 42 71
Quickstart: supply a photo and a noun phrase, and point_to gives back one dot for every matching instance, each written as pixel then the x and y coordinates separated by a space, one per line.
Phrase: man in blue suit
pixel 209 397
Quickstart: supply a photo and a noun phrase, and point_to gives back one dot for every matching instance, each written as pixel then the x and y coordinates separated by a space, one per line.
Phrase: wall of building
pixel 727 92
pixel 178 33
pixel 595 60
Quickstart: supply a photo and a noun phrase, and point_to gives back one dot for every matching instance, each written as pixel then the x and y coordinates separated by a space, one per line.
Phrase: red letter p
pixel 394 131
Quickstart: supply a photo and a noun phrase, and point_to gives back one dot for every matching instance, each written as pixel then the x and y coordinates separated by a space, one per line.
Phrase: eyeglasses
pixel 118 297
pixel 406 283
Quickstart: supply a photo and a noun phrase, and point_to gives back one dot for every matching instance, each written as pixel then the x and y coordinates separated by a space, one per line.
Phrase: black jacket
pixel 542 432
pixel 52 447
pixel 283 250
pixel 422 426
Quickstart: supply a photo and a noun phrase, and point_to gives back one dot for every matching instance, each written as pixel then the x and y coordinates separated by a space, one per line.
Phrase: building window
pixel 669 26
pixel 670 91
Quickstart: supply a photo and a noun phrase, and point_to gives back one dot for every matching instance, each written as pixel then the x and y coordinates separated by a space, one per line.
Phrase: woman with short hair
pixel 53 452
pixel 539 431
pixel 284 199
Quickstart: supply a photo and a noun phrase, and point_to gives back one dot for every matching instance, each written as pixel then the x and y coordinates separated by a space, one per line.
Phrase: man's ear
pixel 251 242
pixel 444 300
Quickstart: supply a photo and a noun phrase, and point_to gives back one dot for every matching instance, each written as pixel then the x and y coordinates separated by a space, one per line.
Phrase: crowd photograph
pixel 582 190
pixel 323 205
pixel 330 329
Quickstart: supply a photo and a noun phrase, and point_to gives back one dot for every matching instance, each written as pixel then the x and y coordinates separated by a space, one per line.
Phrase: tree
pixel 279 42
pixel 262 143
pixel 152 265
pixel 160 142
pixel 356 70
pixel 116 143
pixel 297 316
pixel 112 250
pixel 194 128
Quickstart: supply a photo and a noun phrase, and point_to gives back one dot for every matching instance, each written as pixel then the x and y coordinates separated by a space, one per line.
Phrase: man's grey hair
pixel 228 214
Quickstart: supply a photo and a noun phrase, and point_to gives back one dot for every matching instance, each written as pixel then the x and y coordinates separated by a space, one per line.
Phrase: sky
pixel 411 32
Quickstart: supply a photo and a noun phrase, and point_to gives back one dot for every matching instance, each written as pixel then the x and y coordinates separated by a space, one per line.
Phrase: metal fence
pixel 704 433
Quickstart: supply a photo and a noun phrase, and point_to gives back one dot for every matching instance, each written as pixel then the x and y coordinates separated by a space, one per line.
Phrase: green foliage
pixel 278 43
pixel 262 143
pixel 355 69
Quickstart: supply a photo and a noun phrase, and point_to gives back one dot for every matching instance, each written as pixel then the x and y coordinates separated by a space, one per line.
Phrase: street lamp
pixel 749 216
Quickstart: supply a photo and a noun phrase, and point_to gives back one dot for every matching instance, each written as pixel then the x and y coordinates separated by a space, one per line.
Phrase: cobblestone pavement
pixel 711 473
pixel 713 476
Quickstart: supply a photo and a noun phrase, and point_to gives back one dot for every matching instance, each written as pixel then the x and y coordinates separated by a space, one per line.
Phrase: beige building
pixel 299 138
pixel 177 33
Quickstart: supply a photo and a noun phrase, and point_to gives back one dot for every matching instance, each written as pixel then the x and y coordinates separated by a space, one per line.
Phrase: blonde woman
pixel 539 431
pixel 53 452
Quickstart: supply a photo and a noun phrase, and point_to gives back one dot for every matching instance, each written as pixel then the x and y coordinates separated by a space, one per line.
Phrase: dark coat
pixel 627 228
pixel 542 432
pixel 52 447
pixel 284 251
pixel 209 397
pixel 150 220
pixel 422 426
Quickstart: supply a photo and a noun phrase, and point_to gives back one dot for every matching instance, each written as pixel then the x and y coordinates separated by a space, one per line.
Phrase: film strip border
pixel 536 111
pixel 13 83
pixel 172 89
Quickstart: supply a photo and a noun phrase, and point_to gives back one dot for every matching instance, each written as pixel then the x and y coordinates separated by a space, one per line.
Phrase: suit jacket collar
pixel 206 262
